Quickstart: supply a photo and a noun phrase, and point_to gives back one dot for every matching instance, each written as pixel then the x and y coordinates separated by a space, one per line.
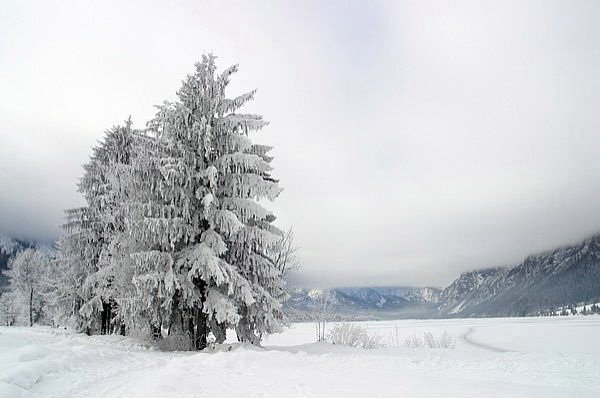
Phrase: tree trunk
pixel 219 330
pixel 245 331
pixel 201 330
pixel 191 328
pixel 175 313
pixel 105 318
pixel 31 307
pixel 156 332
pixel 109 317
pixel 200 319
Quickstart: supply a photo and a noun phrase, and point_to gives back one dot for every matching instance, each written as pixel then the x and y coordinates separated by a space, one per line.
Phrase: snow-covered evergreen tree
pixel 174 237
pixel 212 237
pixel 106 188
pixel 240 177
pixel 88 270
pixel 150 227
pixel 243 179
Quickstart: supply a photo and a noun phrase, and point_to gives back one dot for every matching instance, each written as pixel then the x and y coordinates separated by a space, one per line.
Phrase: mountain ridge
pixel 361 303
pixel 537 285
pixel 541 282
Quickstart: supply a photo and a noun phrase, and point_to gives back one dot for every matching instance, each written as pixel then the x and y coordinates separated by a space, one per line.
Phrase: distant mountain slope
pixel 470 289
pixel 542 282
pixel 555 278
pixel 362 302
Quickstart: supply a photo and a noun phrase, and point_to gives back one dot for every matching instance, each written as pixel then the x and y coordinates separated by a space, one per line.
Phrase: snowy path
pixel 469 340
pixel 552 358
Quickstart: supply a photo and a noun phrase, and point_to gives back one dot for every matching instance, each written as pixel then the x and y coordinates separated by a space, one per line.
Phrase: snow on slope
pixel 559 277
pixel 545 357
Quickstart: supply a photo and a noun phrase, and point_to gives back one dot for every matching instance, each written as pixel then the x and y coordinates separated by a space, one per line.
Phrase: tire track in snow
pixel 469 340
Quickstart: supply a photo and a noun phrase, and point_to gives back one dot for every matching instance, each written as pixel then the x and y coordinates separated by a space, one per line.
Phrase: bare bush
pixel 429 340
pixel 354 335
pixel 413 342
pixel 323 311
pixel 446 341
pixel 372 341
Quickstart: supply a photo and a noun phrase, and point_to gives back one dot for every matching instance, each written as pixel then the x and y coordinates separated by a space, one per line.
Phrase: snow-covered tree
pixel 88 254
pixel 149 226
pixel 174 236
pixel 26 272
pixel 106 187
pixel 207 235
pixel 11 305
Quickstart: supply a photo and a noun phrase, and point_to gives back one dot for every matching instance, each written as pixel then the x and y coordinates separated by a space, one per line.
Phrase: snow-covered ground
pixel 511 357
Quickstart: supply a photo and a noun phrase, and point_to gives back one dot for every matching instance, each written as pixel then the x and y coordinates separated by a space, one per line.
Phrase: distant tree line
pixel 572 310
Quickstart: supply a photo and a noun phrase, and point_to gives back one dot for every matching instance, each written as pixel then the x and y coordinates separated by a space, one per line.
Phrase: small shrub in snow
pixel 353 335
pixel 372 341
pixel 446 341
pixel 429 340
pixel 413 342
pixel 175 342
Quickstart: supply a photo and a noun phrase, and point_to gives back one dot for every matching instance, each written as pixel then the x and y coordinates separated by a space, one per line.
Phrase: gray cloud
pixel 415 140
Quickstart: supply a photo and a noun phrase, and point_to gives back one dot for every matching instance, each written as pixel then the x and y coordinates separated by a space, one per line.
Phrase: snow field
pixel 509 357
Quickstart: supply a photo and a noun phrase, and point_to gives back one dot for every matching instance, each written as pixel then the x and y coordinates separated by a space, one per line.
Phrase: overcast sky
pixel 414 140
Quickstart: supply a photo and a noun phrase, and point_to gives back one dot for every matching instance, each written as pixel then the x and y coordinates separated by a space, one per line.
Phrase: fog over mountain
pixel 541 284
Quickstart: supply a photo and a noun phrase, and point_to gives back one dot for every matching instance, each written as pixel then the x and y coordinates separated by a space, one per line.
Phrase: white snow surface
pixel 503 357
